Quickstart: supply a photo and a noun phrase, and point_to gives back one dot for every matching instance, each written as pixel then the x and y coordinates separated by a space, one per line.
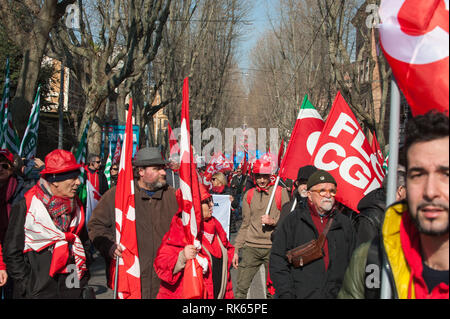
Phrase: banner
pixel 222 211
pixel 117 131
pixel 346 154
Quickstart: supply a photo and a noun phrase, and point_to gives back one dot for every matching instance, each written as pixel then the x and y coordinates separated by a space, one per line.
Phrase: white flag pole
pixel 394 125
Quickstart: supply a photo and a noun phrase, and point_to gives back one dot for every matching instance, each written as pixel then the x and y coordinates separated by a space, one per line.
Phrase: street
pixel 98 279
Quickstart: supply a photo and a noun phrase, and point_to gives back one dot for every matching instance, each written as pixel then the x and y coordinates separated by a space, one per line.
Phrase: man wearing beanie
pixel 320 278
pixel 46 242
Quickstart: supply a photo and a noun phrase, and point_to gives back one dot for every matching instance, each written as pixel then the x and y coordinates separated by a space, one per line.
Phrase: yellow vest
pixel 393 247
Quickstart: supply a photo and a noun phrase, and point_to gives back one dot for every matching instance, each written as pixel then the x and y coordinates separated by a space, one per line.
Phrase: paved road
pixel 98 279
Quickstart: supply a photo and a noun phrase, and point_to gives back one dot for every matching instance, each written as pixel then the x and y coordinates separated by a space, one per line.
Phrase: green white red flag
pixel 303 140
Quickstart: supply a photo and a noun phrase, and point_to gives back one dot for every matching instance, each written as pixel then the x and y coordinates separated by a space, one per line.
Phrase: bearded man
pixel 322 277
pixel 414 236
pixel 155 205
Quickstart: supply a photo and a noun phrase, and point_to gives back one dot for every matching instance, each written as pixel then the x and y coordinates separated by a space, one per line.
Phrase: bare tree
pixel 125 39
pixel 28 25
pixel 357 68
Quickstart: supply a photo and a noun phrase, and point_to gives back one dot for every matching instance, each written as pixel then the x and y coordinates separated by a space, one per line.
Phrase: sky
pixel 259 23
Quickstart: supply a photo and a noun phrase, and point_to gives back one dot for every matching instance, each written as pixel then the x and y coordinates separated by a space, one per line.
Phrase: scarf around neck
pixel 60 208
pixel 210 239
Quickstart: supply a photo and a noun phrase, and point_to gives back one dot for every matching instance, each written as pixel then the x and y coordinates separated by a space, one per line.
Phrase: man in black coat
pixel 321 278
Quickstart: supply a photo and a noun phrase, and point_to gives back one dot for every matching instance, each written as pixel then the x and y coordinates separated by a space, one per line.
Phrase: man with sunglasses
pixel 322 277
pixel 155 205
pixel 95 175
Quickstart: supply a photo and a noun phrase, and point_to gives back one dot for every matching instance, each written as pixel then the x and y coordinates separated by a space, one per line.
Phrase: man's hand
pixel 235 261
pixel 3 277
pixel 267 220
pixel 190 252
pixel 116 251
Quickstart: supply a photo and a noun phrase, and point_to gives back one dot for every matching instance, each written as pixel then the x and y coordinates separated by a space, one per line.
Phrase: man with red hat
pixel 43 248
pixel 253 240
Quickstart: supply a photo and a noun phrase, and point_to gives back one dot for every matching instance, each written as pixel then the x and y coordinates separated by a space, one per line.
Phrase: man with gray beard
pixel 321 277
pixel 155 205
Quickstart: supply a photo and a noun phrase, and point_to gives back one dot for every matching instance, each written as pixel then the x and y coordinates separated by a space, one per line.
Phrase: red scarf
pixel 41 232
pixel 218 189
pixel 410 240
pixel 61 209
pixel 320 224
pixel 210 238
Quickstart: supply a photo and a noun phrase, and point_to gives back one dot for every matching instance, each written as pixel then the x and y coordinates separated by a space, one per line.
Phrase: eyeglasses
pixel 98 162
pixel 5 165
pixel 114 169
pixel 324 192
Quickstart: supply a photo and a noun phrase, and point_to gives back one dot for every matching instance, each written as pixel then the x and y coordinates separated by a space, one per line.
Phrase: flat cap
pixel 319 177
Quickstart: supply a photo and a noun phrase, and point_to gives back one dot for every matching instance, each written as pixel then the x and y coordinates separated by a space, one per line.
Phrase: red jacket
pixel 2 264
pixel 166 258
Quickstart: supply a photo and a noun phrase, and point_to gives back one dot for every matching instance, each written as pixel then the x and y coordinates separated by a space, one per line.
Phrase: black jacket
pixel 30 271
pixel 371 213
pixel 311 280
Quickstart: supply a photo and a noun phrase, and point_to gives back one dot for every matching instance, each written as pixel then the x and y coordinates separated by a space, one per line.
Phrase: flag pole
pixel 394 124
pixel 116 276
pixel 272 195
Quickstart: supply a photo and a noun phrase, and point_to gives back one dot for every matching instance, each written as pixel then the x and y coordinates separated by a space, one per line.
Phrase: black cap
pixel 305 172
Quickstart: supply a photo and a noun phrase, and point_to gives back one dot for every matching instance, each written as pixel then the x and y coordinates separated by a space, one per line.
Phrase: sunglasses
pixel 5 165
pixel 98 162
pixel 114 169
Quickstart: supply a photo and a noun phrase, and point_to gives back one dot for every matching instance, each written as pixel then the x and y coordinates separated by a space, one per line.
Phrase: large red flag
pixel 128 281
pixel 415 40
pixel 189 203
pixel 303 140
pixel 345 153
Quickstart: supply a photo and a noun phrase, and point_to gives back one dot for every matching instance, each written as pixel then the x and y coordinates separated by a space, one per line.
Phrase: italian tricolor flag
pixel 303 140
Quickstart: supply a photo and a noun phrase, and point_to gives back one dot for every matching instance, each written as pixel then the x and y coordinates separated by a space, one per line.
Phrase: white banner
pixel 222 210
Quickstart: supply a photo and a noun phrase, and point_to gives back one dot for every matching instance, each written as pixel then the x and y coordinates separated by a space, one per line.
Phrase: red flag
pixel 129 281
pixel 303 140
pixel 345 153
pixel 377 149
pixel 116 157
pixel 218 163
pixel 280 152
pixel 189 203
pixel 173 142
pixel 414 38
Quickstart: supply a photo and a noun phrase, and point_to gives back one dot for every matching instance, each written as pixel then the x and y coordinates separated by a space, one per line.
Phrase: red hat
pixel 204 194
pixel 7 154
pixel 60 161
pixel 262 167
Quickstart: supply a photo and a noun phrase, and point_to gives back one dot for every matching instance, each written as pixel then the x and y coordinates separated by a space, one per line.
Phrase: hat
pixel 262 167
pixel 319 177
pixel 60 161
pixel 7 154
pixel 149 156
pixel 305 172
pixel 204 194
